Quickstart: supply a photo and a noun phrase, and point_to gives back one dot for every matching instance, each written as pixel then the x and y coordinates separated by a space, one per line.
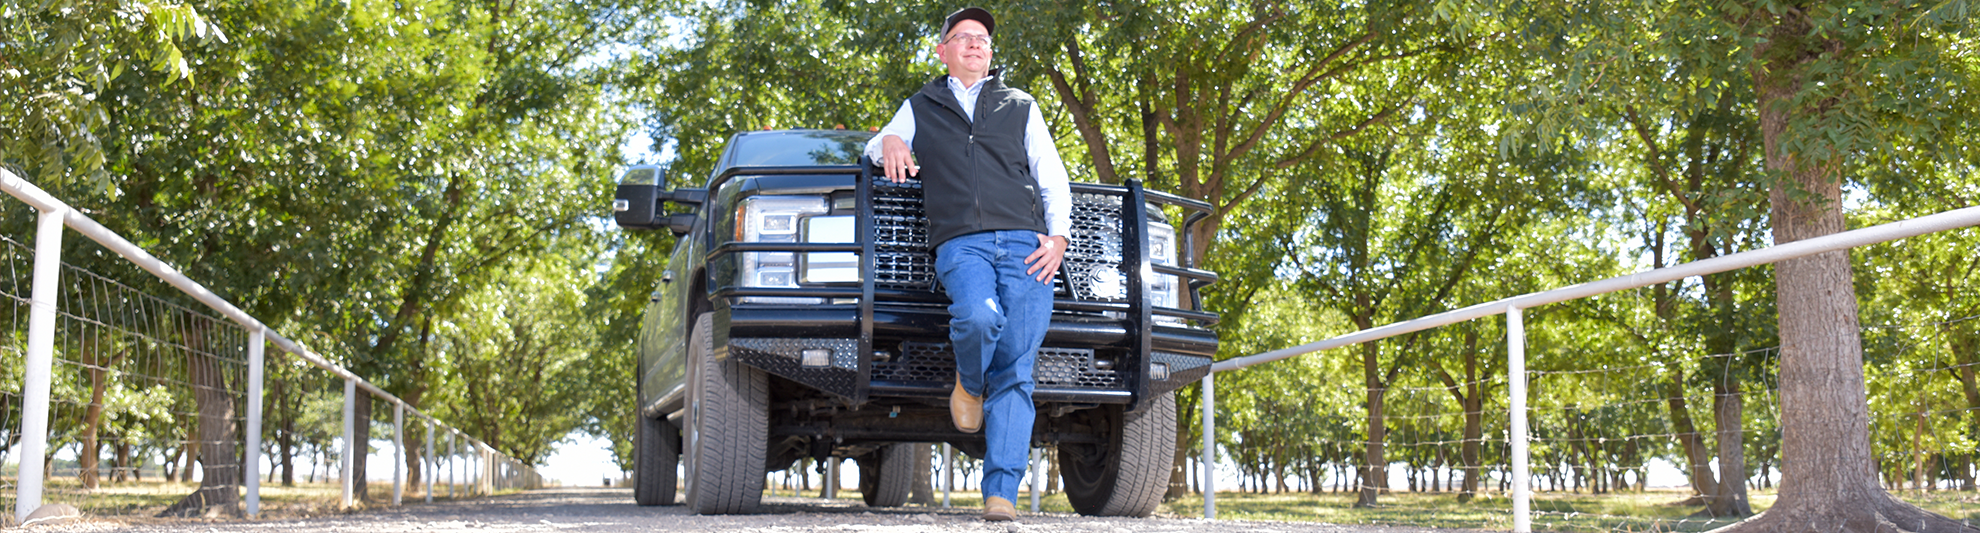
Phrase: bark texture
pixel 922 492
pixel 219 449
pixel 1830 483
pixel 1375 467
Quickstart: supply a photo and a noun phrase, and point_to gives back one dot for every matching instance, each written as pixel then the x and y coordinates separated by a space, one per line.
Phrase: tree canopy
pixel 417 186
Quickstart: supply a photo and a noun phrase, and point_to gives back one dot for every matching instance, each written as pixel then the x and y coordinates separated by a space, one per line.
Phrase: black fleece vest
pixel 974 176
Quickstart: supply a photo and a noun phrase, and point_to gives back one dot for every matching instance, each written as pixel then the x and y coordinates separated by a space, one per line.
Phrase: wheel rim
pixel 692 440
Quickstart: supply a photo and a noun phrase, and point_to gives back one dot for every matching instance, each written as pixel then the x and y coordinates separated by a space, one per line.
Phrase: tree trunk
pixel 1375 467
pixel 1474 418
pixel 168 464
pixel 1051 471
pixel 361 446
pixel 1700 469
pixel 1436 477
pixel 219 486
pixel 1918 451
pixel 1728 407
pixel 1578 447
pixel 1831 484
pixel 1963 346
pixel 1278 472
pixel 286 438
pixel 1474 436
pixel 922 492
pixel 415 434
pixel 1315 478
pixel 124 470
pixel 190 450
pixel 1728 401
pixel 91 456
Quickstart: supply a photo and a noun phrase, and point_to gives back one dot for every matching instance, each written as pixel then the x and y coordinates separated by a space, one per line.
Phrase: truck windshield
pixel 799 148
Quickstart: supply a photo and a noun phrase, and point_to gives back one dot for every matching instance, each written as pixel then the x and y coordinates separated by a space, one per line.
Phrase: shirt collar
pixel 956 85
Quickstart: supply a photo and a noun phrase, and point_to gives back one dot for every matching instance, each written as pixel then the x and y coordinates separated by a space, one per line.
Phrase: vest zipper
pixel 977 197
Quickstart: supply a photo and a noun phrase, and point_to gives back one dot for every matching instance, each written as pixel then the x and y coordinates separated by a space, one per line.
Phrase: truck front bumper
pixel 1086 357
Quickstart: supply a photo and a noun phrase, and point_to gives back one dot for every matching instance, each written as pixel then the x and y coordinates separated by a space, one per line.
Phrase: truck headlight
pixel 1163 289
pixel 829 267
pixel 774 219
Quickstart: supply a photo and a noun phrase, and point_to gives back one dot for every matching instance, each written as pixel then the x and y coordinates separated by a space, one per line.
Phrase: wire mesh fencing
pixel 1623 436
pixel 156 405
pixel 143 389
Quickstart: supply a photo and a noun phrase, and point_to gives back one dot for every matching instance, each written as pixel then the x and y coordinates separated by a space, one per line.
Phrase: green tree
pixel 1838 87
pixel 60 57
pixel 345 169
pixel 518 357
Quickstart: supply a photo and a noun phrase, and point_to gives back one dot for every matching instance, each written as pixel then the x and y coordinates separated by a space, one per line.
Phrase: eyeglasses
pixel 965 39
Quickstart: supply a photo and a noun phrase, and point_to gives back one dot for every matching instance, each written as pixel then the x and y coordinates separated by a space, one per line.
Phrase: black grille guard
pixel 1135 264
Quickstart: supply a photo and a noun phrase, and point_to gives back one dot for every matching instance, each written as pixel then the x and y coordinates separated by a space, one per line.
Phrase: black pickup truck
pixel 799 316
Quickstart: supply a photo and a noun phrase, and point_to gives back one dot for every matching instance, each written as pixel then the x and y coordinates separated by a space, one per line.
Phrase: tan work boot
pixel 965 409
pixel 997 509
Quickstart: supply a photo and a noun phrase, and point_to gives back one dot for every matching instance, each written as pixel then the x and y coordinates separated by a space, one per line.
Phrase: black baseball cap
pixel 969 13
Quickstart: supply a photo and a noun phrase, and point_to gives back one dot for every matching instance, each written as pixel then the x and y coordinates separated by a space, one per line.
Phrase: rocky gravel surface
pixel 611 510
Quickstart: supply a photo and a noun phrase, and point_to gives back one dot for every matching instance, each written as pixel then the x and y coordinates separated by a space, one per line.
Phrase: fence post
pixel 479 486
pixel 40 371
pixel 1516 389
pixel 398 453
pixel 431 463
pixel 948 472
pixel 831 488
pixel 1209 459
pixel 350 435
pixel 1037 460
pixel 453 464
pixel 257 341
pixel 487 458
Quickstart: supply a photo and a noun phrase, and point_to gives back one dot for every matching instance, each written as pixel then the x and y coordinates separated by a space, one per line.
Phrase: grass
pixel 146 498
pixel 1654 510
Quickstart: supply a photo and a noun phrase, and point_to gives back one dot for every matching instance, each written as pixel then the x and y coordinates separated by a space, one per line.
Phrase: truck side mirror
pixel 637 200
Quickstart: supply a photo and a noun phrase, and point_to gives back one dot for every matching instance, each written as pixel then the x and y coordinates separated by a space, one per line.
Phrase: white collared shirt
pixel 1046 167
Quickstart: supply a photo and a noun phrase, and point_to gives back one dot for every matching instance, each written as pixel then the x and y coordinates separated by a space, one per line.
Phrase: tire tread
pixel 895 476
pixel 1140 469
pixel 729 454
pixel 658 446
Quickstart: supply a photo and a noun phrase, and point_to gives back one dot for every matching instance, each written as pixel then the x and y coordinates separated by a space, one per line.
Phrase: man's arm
pixel 889 149
pixel 1054 190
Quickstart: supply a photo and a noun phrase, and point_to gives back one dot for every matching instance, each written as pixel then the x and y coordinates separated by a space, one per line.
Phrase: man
pixel 999 212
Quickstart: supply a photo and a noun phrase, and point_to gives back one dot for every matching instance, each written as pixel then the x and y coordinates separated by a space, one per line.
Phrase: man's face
pixel 965 49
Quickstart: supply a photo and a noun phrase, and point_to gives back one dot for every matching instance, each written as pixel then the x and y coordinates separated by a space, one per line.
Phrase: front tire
pixel 1128 475
pixel 886 476
pixel 656 455
pixel 728 425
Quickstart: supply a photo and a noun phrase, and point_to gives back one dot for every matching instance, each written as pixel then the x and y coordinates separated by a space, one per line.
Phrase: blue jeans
pixel 997 320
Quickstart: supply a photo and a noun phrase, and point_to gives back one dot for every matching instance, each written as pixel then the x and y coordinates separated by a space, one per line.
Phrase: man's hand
pixel 1045 260
pixel 896 160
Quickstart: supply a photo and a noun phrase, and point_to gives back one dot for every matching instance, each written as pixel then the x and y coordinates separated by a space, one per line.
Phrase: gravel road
pixel 611 510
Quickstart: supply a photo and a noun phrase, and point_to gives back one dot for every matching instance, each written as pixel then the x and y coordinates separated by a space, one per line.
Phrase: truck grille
pixel 904 262
pixel 930 363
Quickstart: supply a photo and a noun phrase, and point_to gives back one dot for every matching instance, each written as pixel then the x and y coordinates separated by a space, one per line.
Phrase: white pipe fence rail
pixel 1516 334
pixel 492 470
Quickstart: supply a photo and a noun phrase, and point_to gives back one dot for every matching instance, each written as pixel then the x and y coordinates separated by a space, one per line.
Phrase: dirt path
pixel 611 510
